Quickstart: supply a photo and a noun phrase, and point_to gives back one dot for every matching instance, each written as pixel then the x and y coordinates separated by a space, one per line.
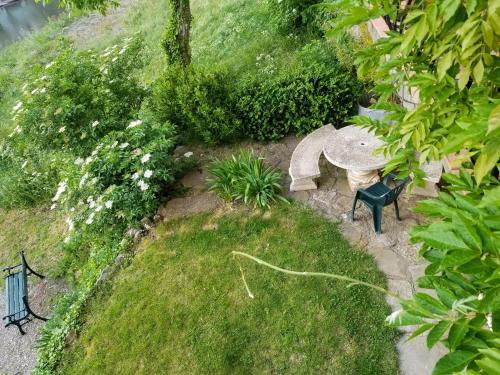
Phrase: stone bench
pixel 304 165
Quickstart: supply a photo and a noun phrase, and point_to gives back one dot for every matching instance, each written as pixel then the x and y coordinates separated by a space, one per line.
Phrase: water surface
pixel 20 17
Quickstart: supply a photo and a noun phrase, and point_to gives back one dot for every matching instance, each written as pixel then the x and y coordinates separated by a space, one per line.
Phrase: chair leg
pixel 356 197
pixel 377 219
pixel 397 210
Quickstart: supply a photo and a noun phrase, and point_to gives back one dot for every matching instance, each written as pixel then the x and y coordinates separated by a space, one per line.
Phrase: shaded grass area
pixel 181 306
pixel 37 231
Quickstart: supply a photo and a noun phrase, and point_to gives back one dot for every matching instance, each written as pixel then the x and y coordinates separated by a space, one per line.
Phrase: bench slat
pixel 15 288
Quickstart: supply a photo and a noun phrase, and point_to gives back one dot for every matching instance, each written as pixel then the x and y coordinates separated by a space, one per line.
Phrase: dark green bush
pixel 297 101
pixel 200 103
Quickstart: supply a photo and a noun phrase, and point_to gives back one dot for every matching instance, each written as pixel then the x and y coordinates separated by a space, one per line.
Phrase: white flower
pixel 108 204
pixel 135 176
pixel 93 181
pixel 98 208
pixel 114 59
pixel 83 179
pixel 17 106
pixel 94 153
pixel 115 143
pixel 88 160
pixel 61 189
pixel 95 123
pixel 143 185
pixel 53 206
pixel 148 173
pixel 123 145
pixel 18 129
pixel 106 54
pixel 42 91
pixel 90 219
pixel 79 161
pixel 105 71
pixel 67 239
pixel 188 154
pixel 90 199
pixel 49 65
pixel 480 296
pixel 43 78
pixel 145 158
pixel 70 223
pixel 135 123
pixel 122 51
pixel 62 129
pixel 34 91
pixel 92 204
pixel 24 164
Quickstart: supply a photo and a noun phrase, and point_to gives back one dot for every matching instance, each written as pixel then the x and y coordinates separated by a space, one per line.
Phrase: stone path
pixel 395 256
pixel 18 353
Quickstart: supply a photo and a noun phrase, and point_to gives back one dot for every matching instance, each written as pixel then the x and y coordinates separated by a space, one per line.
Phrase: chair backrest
pixel 392 195
pixel 24 269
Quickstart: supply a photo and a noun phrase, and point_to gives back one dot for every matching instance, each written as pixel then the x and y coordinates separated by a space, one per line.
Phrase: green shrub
pixel 198 102
pixel 245 177
pixel 296 15
pixel 79 97
pixel 27 176
pixel 297 101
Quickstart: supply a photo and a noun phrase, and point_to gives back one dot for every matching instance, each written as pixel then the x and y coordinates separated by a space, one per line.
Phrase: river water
pixel 20 17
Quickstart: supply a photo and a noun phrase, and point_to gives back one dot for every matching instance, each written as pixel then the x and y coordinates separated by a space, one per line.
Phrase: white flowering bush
pixel 120 181
pixel 80 96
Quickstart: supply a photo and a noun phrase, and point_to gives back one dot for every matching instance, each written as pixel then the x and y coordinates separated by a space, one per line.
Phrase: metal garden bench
pixel 18 311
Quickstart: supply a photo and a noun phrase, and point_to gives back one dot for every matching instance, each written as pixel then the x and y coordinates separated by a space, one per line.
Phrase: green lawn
pixel 181 306
pixel 36 230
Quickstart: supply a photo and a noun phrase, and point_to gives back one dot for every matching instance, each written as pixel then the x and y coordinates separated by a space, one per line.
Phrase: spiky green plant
pixel 245 177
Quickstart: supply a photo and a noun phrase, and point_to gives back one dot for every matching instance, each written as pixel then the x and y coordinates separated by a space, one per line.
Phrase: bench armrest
pixel 10 268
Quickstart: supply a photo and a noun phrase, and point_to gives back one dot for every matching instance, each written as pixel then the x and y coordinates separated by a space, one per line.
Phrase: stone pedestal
pixel 361 179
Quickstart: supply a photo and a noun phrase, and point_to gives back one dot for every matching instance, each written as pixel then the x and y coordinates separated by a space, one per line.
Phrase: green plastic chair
pixel 379 195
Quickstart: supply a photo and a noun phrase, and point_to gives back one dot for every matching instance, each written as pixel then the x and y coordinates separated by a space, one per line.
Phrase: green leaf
pixel 444 64
pixel 430 304
pixel 478 71
pixel 491 198
pixel 436 333
pixel 403 318
pixel 466 231
pixel 456 258
pixel 453 362
pixel 441 239
pixel 449 8
pixel 487 33
pixel 457 333
pixel 419 331
pixel 489 365
pixel 470 5
pixel 494 120
pixel 487 160
pixel 463 78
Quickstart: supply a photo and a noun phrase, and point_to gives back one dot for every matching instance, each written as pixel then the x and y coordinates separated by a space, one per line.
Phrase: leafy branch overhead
pixel 446 54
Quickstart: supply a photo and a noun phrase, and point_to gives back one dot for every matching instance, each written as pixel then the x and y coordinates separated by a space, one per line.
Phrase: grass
pixel 37 231
pixel 181 307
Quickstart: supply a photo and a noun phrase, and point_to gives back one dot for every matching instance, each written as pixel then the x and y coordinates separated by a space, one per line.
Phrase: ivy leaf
pixel 457 333
pixel 478 71
pixel 453 362
pixel 494 120
pixel 436 333
pixel 444 64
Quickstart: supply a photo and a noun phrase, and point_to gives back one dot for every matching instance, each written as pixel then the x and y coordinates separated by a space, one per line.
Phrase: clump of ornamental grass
pixel 244 177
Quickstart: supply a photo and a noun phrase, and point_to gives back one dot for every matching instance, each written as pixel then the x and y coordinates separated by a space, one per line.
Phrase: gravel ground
pixel 17 352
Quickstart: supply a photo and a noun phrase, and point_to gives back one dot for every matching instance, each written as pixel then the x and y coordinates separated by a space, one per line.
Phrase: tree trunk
pixel 176 37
